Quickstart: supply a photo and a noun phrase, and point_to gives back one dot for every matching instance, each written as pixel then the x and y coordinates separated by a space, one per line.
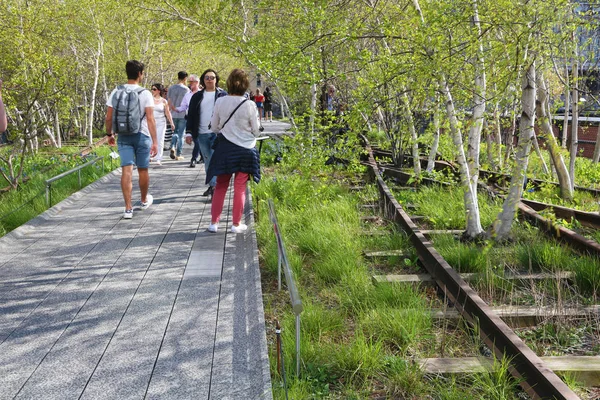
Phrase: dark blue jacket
pixel 193 117
pixel 229 158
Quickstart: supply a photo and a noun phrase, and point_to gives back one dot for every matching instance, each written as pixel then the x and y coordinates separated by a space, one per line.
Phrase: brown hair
pixel 238 82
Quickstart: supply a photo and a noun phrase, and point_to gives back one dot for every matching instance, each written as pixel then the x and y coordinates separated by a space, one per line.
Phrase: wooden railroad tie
pixel 369 206
pixel 429 232
pixel 356 188
pixel 524 316
pixel 428 279
pixel 384 253
pixel 376 233
pixel 370 218
pixel 586 369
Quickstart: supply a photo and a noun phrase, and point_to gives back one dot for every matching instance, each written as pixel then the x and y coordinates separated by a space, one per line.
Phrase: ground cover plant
pixel 356 336
pixel 530 251
pixel 20 205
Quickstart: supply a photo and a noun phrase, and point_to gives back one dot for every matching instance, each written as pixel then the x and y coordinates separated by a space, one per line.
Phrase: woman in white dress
pixel 161 116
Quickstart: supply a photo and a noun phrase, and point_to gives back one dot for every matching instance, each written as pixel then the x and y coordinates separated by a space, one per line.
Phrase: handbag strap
pixel 233 112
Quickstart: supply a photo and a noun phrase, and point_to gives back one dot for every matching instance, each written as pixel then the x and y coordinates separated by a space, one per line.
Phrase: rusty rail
pixel 534 376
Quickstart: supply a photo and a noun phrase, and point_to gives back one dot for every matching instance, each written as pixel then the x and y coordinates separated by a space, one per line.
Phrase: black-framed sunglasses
pixel 154 88
pixel 210 78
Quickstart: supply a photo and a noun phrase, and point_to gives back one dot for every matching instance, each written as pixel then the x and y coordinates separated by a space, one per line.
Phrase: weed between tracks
pixel 529 252
pixel 359 340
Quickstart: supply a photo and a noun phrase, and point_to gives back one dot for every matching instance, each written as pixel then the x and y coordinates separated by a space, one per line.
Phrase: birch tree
pixel 503 224
pixel 544 118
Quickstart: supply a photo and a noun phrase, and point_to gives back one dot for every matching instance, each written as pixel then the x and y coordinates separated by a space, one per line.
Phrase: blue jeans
pixel 134 149
pixel 177 139
pixel 203 142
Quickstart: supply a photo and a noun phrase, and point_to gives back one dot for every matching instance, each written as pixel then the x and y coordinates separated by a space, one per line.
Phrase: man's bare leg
pixel 144 182
pixel 126 185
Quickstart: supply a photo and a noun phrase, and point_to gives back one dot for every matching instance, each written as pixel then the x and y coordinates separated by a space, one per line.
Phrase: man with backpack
pixel 130 115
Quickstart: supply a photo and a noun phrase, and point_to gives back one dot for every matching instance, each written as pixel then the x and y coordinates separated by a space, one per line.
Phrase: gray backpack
pixel 126 111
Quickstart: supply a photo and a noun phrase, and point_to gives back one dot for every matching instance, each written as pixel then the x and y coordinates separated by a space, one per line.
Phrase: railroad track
pixel 534 373
pixel 528 209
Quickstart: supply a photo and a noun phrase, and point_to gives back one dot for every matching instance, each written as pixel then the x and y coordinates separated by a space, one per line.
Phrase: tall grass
pixel 19 206
pixel 354 334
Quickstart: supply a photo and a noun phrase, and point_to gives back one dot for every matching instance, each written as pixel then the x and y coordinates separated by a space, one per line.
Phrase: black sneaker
pixel 209 191
pixel 172 155
pixel 193 163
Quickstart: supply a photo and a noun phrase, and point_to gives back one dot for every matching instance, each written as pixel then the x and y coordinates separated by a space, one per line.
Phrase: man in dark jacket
pixel 198 120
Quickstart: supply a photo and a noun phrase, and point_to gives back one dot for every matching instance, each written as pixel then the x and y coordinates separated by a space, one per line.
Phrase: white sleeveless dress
pixel 161 127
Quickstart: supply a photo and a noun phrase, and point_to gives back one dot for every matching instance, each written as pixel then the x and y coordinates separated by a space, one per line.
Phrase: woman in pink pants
pixel 236 120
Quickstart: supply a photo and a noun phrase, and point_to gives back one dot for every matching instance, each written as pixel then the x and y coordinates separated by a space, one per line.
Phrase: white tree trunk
pixel 94 90
pixel 313 109
pixel 544 118
pixel 506 217
pixel 471 202
pixel 574 125
pixel 567 106
pixel 597 147
pixel 436 137
pixel 57 129
pixel 498 133
pixel 413 135
pixel 536 146
pixel 479 109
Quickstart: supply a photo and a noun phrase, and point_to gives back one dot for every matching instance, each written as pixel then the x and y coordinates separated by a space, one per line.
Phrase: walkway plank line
pixel 93 306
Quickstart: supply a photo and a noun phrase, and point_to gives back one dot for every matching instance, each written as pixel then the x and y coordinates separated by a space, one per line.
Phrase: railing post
pixel 278 270
pixel 79 177
pixel 48 195
pixel 282 261
pixel 297 345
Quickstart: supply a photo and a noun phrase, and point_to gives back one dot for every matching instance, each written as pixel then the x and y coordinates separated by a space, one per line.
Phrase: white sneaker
pixel 128 214
pixel 241 228
pixel 148 202
pixel 213 228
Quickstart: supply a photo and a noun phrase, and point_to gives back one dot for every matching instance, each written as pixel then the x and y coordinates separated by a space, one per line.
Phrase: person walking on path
pixel 268 105
pixel 137 137
pixel 3 121
pixel 161 116
pixel 169 130
pixel 185 105
pixel 236 118
pixel 199 118
pixel 175 97
pixel 259 100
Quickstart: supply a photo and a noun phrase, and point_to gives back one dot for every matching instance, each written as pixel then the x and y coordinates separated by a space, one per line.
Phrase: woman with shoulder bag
pixel 236 118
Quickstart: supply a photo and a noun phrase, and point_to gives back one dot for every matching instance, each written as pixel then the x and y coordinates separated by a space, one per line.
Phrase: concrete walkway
pixel 93 306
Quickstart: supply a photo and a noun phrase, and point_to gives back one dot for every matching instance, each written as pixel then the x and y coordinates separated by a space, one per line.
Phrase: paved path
pixel 93 306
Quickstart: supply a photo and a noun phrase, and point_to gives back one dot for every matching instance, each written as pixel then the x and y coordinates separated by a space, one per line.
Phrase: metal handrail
pixel 66 173
pixel 289 277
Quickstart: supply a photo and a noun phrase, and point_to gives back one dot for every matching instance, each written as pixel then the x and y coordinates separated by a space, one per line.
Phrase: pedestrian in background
pixel 268 105
pixel 161 116
pixel 259 100
pixel 198 125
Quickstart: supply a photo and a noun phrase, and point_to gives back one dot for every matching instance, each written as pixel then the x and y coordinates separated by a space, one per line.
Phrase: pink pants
pixel 239 196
